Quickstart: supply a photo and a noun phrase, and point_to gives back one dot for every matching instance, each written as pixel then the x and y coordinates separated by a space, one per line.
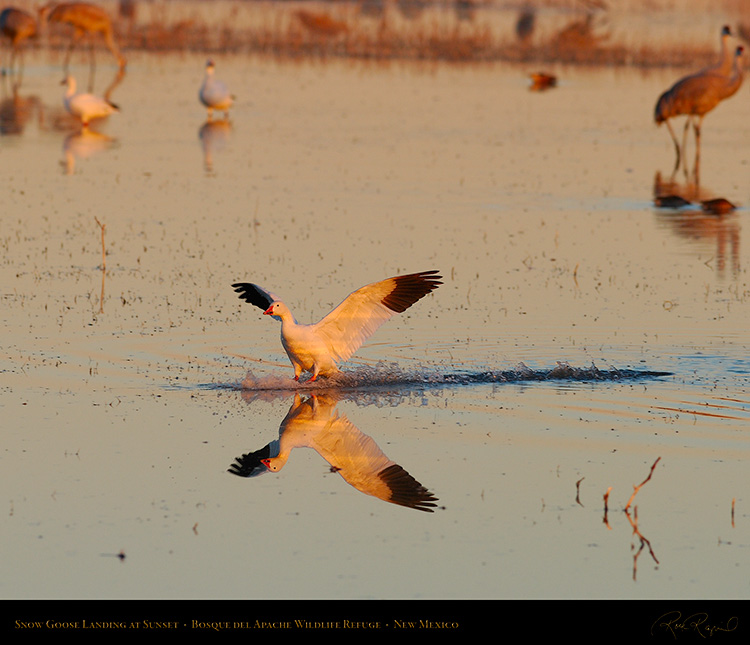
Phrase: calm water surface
pixel 128 392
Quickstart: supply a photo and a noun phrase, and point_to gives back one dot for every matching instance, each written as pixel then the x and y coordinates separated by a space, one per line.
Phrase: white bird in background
pixel 214 94
pixel 318 348
pixel 315 423
pixel 85 107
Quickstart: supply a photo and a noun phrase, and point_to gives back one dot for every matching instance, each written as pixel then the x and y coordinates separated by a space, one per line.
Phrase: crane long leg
pixel 19 73
pixel 92 64
pixel 77 36
pixel 676 146
pixel 697 127
pixel 68 53
pixel 688 121
pixel 112 46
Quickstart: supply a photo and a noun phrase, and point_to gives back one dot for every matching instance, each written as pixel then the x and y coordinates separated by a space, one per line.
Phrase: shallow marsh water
pixel 121 416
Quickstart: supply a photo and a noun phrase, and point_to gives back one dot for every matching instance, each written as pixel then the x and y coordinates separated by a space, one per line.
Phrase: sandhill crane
pixel 17 25
pixel 85 107
pixel 726 58
pixel 87 20
pixel 699 93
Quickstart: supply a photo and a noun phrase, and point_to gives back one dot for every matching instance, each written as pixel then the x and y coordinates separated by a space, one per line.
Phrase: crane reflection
pixel 695 214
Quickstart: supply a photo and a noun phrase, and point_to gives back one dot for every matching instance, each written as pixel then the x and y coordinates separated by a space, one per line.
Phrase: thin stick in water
pixel 104 254
pixel 637 488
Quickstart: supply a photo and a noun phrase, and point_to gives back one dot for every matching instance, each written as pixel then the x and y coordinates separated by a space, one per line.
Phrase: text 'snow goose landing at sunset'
pixel 318 348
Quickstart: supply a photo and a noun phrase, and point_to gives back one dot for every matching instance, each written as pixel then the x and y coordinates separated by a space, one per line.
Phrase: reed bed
pixel 627 32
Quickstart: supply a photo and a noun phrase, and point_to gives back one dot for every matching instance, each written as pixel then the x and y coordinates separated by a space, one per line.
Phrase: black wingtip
pixel 253 294
pixel 407 491
pixel 410 288
pixel 250 465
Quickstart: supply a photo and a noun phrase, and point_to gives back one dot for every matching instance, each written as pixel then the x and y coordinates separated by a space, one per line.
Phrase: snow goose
pixel 85 107
pixel 315 423
pixel 214 93
pixel 318 348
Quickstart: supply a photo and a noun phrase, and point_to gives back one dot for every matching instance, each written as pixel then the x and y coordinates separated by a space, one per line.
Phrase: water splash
pixel 385 376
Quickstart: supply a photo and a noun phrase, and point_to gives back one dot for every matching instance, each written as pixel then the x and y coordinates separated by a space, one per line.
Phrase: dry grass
pixel 626 32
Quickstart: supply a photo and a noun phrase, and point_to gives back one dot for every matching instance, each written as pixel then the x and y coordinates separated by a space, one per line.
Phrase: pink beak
pixel 268 311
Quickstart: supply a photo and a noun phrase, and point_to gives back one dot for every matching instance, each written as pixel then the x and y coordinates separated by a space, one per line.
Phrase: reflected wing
pixel 361 462
pixel 250 465
pixel 364 311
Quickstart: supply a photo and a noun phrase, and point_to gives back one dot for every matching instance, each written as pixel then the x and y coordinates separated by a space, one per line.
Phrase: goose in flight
pixel 315 423
pixel 318 348
pixel 85 107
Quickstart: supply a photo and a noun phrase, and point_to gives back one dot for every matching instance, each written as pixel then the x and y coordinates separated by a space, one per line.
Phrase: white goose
pixel 315 423
pixel 85 107
pixel 214 94
pixel 319 347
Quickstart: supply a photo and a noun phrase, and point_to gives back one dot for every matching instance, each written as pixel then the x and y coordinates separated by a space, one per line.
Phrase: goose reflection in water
pixel 84 145
pixel 213 136
pixel 313 422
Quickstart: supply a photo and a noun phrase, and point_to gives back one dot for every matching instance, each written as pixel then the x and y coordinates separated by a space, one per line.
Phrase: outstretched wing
pixel 360 461
pixel 254 294
pixel 364 311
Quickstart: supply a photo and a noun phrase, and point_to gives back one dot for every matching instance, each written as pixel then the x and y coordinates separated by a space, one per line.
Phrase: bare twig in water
pixel 633 520
pixel 104 254
pixel 606 508
pixel 120 555
pixel 733 512
pixel 578 491
pixel 104 263
pixel 637 488
pixel 644 542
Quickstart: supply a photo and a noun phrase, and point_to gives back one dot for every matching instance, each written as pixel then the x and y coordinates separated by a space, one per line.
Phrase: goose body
pixel 85 107
pixel 318 348
pixel 213 93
